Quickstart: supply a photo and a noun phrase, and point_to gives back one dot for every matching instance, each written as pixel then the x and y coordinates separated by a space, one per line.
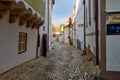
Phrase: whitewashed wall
pixel 112 6
pixel 81 37
pixel 80 21
pixel 113 41
pixel 9 38
pixel 77 3
pixel 50 25
pixel 66 40
pixel 74 34
pixel 90 40
pixel 44 28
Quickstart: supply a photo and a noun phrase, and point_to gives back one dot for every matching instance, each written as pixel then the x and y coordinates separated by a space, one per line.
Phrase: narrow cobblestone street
pixel 63 62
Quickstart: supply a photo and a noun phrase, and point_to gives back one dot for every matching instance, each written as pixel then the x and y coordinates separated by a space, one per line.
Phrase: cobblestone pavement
pixel 63 62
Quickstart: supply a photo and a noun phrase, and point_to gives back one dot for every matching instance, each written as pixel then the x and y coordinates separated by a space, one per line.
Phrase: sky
pixel 62 10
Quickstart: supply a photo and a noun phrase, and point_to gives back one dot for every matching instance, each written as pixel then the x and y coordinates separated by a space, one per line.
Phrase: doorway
pixel 44 44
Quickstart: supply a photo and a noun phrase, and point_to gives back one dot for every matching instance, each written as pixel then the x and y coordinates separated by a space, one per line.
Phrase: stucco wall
pixel 77 3
pixel 9 38
pixel 112 41
pixel 90 29
pixel 66 40
pixel 112 5
pixel 81 37
pixel 74 34
pixel 80 21
pixel 44 29
pixel 113 53
pixel 50 24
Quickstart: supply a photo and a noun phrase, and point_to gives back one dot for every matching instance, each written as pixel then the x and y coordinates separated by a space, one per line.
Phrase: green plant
pixel 38 5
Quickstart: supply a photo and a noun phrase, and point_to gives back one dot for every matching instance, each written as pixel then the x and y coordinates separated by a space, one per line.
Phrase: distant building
pixel 68 30
pixel 66 34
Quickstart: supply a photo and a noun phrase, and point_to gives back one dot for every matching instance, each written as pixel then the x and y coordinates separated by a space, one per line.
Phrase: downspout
pixel 96 32
pixel 48 27
pixel 84 28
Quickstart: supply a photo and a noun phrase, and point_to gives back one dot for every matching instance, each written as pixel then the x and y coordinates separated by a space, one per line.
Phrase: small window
pixel 43 28
pixel 22 42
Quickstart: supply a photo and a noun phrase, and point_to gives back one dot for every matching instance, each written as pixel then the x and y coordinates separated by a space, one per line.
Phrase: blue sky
pixel 62 10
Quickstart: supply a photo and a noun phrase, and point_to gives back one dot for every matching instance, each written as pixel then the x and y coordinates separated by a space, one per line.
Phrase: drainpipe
pixel 48 24
pixel 96 32
pixel 84 28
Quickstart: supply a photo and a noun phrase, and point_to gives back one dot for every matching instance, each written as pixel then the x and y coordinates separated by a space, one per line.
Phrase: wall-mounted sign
pixel 114 18
pixel 113 29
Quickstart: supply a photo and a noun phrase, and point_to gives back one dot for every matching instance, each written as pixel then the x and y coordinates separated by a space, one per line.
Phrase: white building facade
pixel 103 35
pixel 66 34
pixel 79 24
pixel 101 30
pixel 19 27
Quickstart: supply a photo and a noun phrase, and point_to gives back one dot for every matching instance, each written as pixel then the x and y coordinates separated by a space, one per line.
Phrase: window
pixel 22 42
pixel 43 28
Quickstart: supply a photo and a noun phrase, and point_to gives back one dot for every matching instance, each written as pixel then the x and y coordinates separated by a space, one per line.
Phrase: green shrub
pixel 38 5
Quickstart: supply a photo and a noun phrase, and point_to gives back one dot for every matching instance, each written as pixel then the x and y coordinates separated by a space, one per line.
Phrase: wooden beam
pixel 36 23
pixel 6 6
pixel 41 22
pixel 16 12
pixel 25 16
pixel 2 13
pixel 32 20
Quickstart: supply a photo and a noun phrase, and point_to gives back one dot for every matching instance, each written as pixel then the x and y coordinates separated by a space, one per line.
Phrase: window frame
pixel 22 36
pixel 43 28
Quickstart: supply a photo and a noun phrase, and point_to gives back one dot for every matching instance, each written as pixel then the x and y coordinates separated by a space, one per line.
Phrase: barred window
pixel 22 42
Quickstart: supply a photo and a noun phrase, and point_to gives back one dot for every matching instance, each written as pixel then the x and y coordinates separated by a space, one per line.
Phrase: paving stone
pixel 63 62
